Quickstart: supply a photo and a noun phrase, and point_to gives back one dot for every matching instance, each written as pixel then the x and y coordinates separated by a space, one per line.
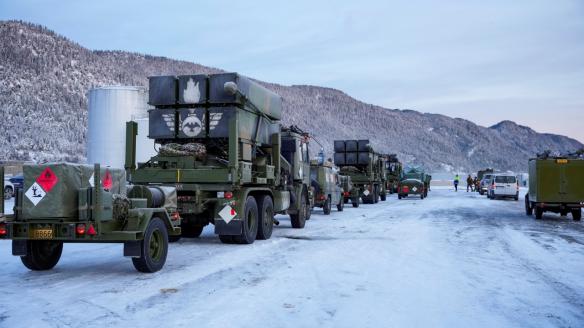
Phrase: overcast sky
pixel 486 61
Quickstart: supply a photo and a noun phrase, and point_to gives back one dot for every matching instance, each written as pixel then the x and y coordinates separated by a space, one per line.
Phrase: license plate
pixel 42 234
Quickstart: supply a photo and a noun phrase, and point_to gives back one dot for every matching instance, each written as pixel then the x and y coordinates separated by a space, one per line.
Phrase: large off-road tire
pixel 375 195
pixel 538 213
pixel 8 192
pixel 528 208
pixel 355 202
pixel 577 214
pixel 298 220
pixel 327 207
pixel 250 222
pixel 42 254
pixel 154 247
pixel 266 215
pixel 340 205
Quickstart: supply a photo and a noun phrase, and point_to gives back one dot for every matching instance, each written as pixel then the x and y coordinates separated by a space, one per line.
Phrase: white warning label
pixel 35 193
pixel 227 213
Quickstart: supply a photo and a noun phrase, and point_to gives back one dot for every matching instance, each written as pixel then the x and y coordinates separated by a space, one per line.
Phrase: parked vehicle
pixel 17 181
pixel 347 186
pixel 556 184
pixel 485 183
pixel 504 186
pixel 414 182
pixel 327 187
pixel 8 189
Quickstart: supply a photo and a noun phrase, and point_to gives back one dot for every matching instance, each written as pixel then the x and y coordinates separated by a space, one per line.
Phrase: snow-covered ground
pixel 451 260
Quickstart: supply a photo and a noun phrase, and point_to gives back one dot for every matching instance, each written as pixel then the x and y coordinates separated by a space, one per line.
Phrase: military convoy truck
pixel 223 149
pixel 393 169
pixel 327 187
pixel 358 160
pixel 71 203
pixel 556 184
pixel 414 181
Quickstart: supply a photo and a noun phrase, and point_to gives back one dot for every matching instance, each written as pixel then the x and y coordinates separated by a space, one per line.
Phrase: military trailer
pixel 556 184
pixel 347 186
pixel 358 160
pixel 71 203
pixel 413 182
pixel 327 188
pixel 221 145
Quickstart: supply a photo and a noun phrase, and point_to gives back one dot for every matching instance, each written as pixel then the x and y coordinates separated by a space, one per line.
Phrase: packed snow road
pixel 453 259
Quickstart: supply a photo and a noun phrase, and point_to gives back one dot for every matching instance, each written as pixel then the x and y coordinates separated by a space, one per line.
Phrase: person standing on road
pixel 469 184
pixel 456 181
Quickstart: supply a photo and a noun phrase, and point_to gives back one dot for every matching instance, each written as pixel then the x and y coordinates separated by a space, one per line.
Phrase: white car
pixel 503 185
pixel 8 189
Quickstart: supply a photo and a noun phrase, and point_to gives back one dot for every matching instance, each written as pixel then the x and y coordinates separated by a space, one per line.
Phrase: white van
pixel 504 185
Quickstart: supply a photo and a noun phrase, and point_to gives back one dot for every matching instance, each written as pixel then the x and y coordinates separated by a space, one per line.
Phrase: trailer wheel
pixel 154 247
pixel 355 202
pixel 528 208
pixel 249 231
pixel 298 220
pixel 326 208
pixel 42 254
pixel 383 196
pixel 538 213
pixel 341 205
pixel 577 214
pixel 266 224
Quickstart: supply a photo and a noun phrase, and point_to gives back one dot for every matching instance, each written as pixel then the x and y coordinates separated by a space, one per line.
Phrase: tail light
pixel 3 230
pixel 80 229
pixel 228 195
pixel 175 216
pixel 321 197
pixel 346 193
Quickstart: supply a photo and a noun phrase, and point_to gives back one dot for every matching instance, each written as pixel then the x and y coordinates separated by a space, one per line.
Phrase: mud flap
pixel 233 228
pixel 19 247
pixel 133 248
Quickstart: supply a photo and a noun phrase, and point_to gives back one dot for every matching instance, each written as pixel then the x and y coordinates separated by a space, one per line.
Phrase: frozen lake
pixel 451 260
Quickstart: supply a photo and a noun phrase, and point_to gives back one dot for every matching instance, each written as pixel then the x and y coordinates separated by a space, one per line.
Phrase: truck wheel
pixel 154 247
pixel 538 213
pixel 383 196
pixel 8 192
pixel 355 202
pixel 326 208
pixel 298 220
pixel 577 214
pixel 375 195
pixel 250 222
pixel 399 196
pixel 528 208
pixel 266 226
pixel 42 254
pixel 341 205
pixel 481 192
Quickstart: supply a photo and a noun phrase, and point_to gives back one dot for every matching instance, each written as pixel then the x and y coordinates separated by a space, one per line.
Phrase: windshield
pixel 505 179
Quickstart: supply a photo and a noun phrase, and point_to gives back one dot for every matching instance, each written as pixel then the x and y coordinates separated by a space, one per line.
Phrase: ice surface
pixel 450 260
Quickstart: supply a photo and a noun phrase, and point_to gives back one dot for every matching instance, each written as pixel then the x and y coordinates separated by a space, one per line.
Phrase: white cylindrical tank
pixel 109 108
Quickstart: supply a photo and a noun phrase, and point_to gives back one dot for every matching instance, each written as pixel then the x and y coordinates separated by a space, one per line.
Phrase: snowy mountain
pixel 44 78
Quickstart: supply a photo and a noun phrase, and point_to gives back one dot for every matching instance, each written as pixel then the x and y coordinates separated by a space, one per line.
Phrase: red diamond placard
pixel 47 180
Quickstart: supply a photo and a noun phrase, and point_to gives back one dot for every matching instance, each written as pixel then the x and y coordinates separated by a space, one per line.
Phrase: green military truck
pixel 358 160
pixel 71 203
pixel 327 187
pixel 555 185
pixel 414 181
pixel 393 171
pixel 222 147
pixel 347 186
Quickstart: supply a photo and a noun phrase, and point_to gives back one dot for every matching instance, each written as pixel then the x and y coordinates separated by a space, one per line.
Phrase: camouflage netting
pixel 190 149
